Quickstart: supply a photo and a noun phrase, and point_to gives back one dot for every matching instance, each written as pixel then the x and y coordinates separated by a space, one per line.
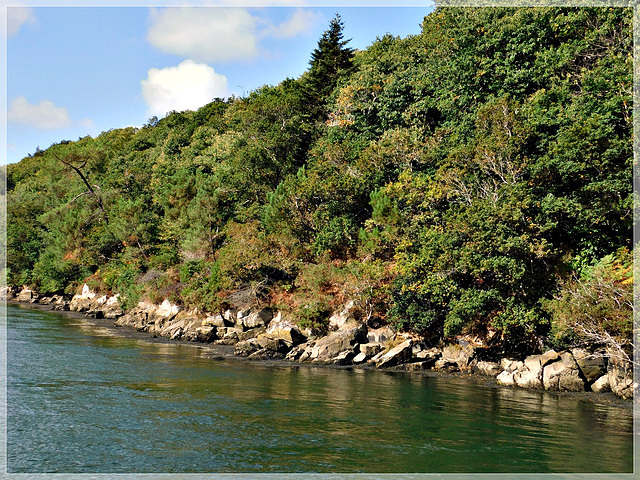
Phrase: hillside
pixel 473 179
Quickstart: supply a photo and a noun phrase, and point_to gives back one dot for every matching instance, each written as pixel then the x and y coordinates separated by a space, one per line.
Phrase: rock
pixel 285 330
pixel 246 348
pixel 230 316
pixel 330 346
pixel 214 321
pixel 506 378
pixel 397 355
pixel 360 358
pixel 446 365
pixel 490 369
pixel 592 366
pixel 251 333
pixel 601 384
pixel 529 375
pixel 166 309
pixel 510 364
pixel 7 293
pixel 169 330
pixel 563 374
pixel 276 344
pixel 344 320
pixel 510 368
pixel 266 354
pixel 79 304
pixel 230 337
pixel 620 374
pixel 206 334
pixel 460 355
pixel 296 352
pixel 430 356
pixel 370 349
pixel 113 313
pixel 381 335
pixel 256 319
pixel 417 366
pixel 343 358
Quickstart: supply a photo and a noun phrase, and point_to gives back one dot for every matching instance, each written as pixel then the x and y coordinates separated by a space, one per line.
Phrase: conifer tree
pixel 329 61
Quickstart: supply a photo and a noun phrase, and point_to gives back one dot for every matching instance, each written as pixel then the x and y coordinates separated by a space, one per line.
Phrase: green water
pixel 83 399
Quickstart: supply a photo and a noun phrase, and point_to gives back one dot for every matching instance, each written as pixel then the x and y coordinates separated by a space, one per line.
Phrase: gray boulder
pixel 563 374
pixel 247 347
pixel 257 319
pixel 399 354
pixel 344 358
pixel 458 355
pixel 214 321
pixel 510 367
pixel 370 349
pixel 529 375
pixel 429 357
pixel 327 348
pixel 490 369
pixel 381 335
pixel 592 365
pixel 287 331
pixel 601 384
pixel 206 334
pixel 251 333
pixel 620 374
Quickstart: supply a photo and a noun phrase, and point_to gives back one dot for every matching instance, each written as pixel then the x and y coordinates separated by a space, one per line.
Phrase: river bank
pixel 262 334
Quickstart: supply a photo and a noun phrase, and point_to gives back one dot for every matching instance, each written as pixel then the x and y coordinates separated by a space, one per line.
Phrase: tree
pixel 329 61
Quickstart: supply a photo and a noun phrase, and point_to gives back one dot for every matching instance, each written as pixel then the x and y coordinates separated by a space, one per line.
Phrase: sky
pixel 73 71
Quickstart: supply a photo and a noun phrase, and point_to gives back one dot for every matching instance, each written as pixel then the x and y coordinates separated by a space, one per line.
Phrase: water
pixel 83 399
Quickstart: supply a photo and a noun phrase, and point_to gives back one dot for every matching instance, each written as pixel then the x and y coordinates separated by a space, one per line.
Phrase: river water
pixel 82 398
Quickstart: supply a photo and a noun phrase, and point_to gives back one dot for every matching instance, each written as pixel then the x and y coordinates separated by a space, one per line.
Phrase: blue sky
pixel 76 71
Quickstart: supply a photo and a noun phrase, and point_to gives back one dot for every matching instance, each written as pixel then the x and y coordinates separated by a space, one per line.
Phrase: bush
pixel 314 316
pixel 596 309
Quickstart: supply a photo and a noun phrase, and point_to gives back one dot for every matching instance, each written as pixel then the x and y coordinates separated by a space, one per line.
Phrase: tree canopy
pixel 472 179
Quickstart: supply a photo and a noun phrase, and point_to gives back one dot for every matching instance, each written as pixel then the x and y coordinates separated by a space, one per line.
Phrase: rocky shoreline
pixel 260 333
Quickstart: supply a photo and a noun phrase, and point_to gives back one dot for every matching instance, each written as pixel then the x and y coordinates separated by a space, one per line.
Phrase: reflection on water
pixel 81 399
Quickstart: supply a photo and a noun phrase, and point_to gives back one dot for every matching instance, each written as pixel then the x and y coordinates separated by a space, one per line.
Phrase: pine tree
pixel 329 61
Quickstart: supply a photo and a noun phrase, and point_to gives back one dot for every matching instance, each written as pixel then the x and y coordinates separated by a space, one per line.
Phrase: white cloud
pixel 45 115
pixel 205 34
pixel 300 22
pixel 18 16
pixel 188 86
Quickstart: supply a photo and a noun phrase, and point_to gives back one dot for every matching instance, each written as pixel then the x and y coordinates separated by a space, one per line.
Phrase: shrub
pixel 596 309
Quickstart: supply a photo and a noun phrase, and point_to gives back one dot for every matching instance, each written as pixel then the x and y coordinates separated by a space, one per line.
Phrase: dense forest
pixel 473 179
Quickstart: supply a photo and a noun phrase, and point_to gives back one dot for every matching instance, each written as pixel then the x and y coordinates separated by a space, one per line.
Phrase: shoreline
pixel 219 352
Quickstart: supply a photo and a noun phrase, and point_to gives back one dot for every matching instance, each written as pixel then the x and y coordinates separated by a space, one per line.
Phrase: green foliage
pixel 448 182
pixel 597 307
pixel 314 316
pixel 329 61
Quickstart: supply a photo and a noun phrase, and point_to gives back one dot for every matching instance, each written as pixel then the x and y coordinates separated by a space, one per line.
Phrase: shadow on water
pixel 83 399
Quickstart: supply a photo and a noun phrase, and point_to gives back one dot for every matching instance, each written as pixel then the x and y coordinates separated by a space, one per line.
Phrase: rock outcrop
pixel 259 334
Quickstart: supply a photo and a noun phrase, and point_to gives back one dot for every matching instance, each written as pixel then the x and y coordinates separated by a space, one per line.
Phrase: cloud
pixel 18 16
pixel 300 22
pixel 188 86
pixel 205 34
pixel 45 115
